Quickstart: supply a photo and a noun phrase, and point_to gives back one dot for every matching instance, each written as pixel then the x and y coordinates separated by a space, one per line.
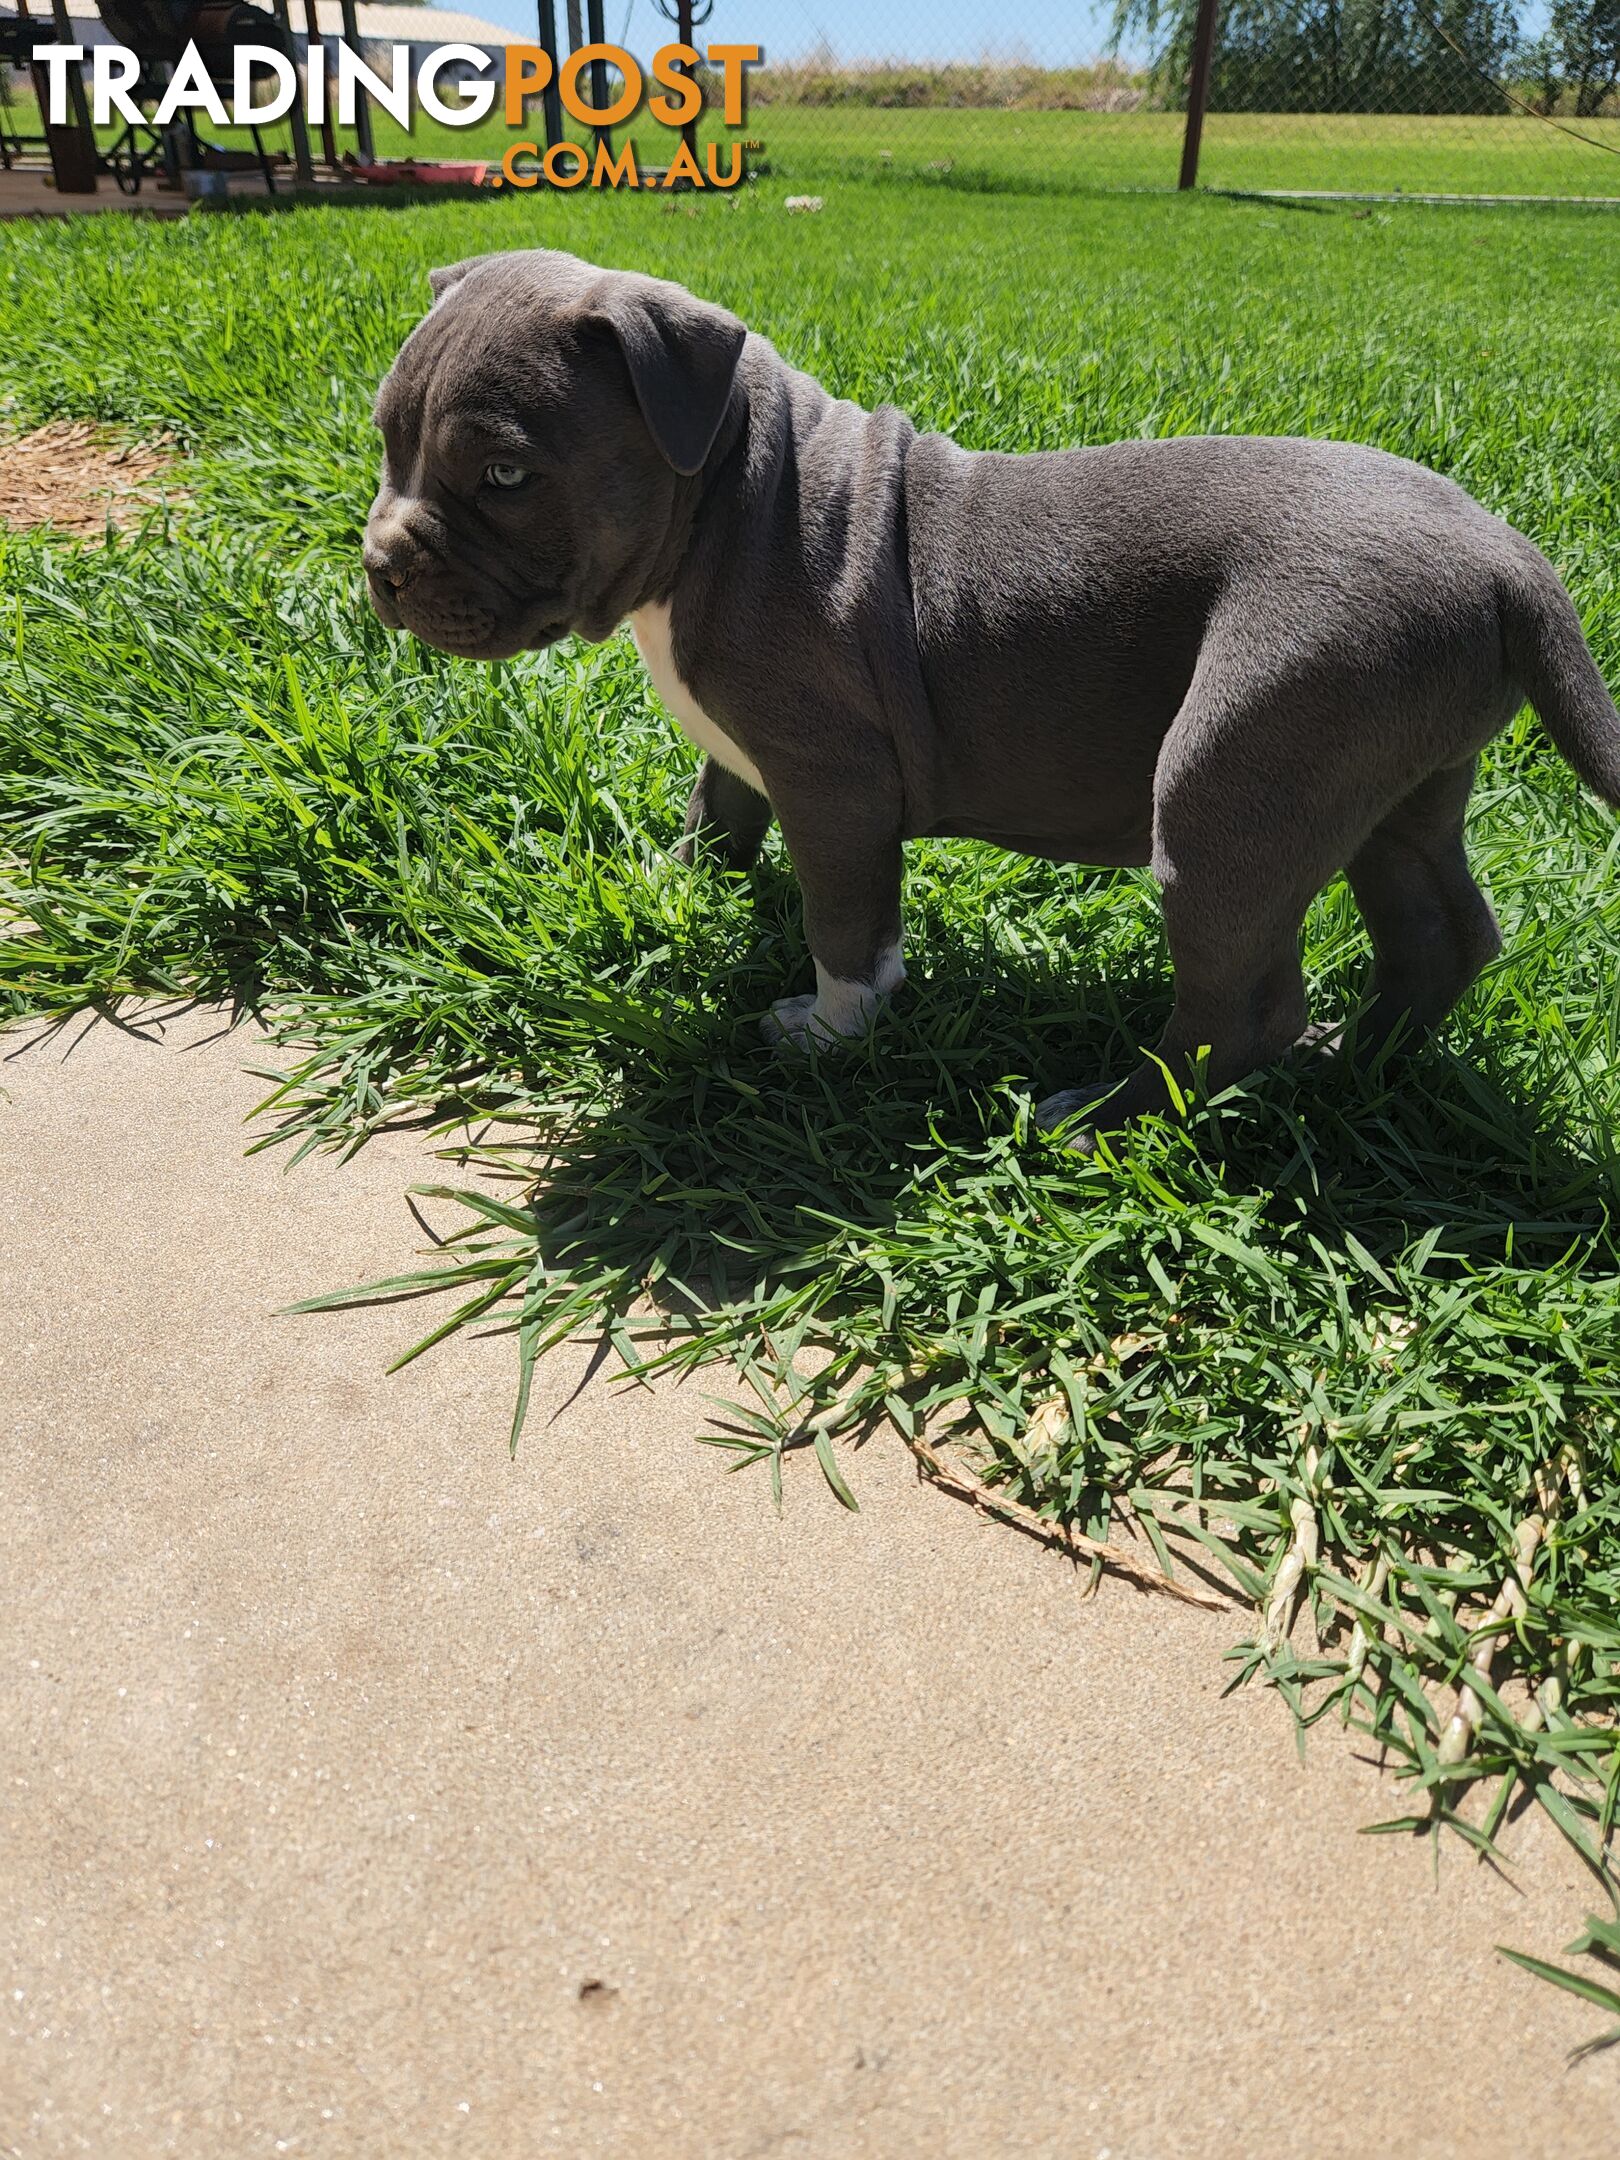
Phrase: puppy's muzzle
pixel 392 560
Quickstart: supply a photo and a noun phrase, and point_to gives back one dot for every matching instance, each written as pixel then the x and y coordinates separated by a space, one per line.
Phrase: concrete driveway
pixel 369 1793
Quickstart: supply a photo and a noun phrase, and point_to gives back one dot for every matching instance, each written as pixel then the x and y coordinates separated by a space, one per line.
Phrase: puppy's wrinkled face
pixel 525 491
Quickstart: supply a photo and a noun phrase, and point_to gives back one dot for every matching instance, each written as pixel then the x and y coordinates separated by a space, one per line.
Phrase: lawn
pixel 1069 152
pixel 1349 1348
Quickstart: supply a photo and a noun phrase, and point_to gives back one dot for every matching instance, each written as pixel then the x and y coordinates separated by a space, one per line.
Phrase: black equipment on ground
pixel 158 32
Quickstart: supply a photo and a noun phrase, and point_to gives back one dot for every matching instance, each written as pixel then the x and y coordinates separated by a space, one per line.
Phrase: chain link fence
pixel 1475 98
pixel 1468 97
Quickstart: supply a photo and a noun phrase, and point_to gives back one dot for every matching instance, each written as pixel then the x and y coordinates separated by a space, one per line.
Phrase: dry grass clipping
pixel 76 478
pixel 960 1482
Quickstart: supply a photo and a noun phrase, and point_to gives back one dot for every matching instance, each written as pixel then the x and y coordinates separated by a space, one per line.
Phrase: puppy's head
pixel 541 427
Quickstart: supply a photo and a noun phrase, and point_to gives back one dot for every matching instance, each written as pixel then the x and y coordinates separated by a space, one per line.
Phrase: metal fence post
pixel 685 30
pixel 550 99
pixel 1198 90
pixel 599 81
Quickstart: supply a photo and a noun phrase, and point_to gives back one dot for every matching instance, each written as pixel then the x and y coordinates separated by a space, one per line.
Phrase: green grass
pixel 1374 1322
pixel 1066 152
pixel 1070 152
pixel 1357 152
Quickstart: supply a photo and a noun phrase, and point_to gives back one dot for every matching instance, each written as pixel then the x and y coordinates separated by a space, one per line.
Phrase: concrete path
pixel 368 1793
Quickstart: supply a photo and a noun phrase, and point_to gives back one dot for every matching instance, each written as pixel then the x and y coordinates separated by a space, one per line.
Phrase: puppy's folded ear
pixel 452 274
pixel 682 355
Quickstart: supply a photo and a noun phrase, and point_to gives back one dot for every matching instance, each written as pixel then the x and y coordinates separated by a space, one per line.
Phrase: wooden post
pixel 550 97
pixel 7 129
pixel 302 166
pixel 362 103
pixel 73 147
pixel 1198 90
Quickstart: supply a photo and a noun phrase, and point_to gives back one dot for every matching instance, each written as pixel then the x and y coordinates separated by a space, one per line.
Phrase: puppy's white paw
pixel 797 1023
pixel 839 1011
pixel 789 1021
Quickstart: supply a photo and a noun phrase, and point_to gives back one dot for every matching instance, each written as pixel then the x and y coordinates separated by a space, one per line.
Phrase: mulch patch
pixel 76 478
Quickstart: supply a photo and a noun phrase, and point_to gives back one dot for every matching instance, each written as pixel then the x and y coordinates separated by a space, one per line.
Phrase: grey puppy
pixel 1248 662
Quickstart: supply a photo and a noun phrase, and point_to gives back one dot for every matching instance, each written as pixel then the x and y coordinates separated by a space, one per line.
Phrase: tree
pixel 1342 55
pixel 1587 36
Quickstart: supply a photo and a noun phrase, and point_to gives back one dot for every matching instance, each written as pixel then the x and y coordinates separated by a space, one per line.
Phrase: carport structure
pixel 159 31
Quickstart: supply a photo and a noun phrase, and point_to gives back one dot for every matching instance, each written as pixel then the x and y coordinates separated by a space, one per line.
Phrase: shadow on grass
pixel 350 195
pixel 720 1163
pixel 747 1173
pixel 1258 198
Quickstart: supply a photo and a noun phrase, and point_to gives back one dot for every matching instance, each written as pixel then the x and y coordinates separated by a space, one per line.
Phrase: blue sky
pixel 1052 31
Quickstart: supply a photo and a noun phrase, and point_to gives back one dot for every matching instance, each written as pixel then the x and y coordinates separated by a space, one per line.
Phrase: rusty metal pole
pixel 315 56
pixel 1198 90
pixel 303 170
pixel 362 102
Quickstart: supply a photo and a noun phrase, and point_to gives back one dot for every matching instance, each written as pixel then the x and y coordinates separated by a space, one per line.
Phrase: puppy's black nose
pixel 387 566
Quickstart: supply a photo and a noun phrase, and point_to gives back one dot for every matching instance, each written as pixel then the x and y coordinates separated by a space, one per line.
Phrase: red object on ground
pixel 398 169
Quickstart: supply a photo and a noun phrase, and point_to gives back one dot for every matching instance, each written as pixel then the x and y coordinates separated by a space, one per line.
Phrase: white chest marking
pixel 650 628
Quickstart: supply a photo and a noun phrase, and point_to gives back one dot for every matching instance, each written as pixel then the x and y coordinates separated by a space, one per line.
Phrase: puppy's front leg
pixel 725 813
pixel 846 852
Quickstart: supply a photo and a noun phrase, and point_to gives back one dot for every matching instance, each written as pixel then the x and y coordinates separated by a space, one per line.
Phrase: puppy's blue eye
pixel 505 476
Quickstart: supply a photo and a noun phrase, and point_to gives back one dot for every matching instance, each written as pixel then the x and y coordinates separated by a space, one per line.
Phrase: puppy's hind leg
pixel 1432 928
pixel 1238 864
pixel 1240 1003
pixel 726 814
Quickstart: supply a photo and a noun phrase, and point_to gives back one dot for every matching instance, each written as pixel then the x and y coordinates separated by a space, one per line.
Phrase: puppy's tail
pixel 1548 655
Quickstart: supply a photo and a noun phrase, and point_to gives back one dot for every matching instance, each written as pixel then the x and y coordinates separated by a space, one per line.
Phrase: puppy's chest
pixel 650 628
